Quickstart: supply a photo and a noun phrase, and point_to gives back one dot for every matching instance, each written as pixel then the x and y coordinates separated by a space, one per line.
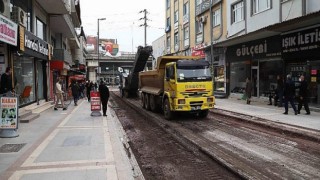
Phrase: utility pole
pixel 145 25
pixel 145 31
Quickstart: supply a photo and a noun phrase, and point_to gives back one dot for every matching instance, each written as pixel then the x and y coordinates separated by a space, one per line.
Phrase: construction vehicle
pixel 129 82
pixel 178 84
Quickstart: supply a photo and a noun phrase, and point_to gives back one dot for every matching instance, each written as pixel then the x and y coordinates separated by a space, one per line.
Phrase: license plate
pixel 195 107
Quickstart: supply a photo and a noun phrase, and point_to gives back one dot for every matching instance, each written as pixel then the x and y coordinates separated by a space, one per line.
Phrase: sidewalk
pixel 269 112
pixel 70 145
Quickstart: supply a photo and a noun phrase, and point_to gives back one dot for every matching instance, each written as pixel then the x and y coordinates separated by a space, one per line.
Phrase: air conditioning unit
pixel 203 19
pixel 19 16
pixel 5 8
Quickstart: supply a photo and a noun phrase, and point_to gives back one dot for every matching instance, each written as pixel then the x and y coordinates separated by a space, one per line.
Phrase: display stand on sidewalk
pixel 9 116
pixel 95 103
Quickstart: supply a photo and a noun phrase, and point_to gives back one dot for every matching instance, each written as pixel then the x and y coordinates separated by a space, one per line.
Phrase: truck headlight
pixel 181 101
pixel 210 100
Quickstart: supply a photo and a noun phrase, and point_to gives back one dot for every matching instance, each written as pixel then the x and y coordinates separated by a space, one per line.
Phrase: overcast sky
pixel 122 20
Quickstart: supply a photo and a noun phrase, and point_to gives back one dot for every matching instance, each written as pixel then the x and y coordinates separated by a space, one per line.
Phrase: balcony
pixel 75 14
pixel 55 6
pixel 63 24
pixel 205 5
pixel 63 55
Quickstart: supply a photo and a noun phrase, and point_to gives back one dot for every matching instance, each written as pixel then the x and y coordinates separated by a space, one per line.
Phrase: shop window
pixel 219 79
pixel 268 72
pixel 24 77
pixel 239 71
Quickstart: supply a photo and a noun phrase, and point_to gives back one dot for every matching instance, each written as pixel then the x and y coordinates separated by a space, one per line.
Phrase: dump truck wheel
pixel 203 113
pixel 147 102
pixel 143 102
pixel 168 114
pixel 153 104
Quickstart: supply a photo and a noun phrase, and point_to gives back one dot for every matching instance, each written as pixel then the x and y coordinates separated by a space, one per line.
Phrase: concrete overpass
pixel 109 66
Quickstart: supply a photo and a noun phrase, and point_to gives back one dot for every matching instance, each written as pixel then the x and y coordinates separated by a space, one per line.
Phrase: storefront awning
pixel 59 65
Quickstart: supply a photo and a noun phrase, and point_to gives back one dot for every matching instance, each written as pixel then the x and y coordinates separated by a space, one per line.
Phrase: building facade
pixel 259 39
pixel 45 47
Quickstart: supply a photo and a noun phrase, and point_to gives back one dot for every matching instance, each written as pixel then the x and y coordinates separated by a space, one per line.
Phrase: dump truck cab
pixel 188 87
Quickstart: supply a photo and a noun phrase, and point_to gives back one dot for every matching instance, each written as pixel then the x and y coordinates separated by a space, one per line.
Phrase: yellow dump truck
pixel 178 84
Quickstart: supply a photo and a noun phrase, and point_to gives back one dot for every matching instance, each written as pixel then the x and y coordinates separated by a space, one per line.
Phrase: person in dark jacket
pixel 303 94
pixel 248 90
pixel 289 93
pixel 6 81
pixel 75 92
pixel 89 88
pixel 104 97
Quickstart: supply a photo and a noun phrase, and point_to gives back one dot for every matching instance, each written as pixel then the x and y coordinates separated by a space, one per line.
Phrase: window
pixel 198 2
pixel 186 8
pixel 41 30
pixel 168 21
pixel 176 41
pixel 260 5
pixel 168 43
pixel 186 36
pixel 176 16
pixel 216 18
pixel 168 4
pixel 237 12
pixel 198 27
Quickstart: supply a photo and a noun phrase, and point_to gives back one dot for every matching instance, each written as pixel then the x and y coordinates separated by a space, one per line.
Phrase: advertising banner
pixel 95 101
pixel 8 31
pixel 9 113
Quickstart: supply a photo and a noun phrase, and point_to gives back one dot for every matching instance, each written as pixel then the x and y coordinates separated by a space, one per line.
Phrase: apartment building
pixel 192 27
pixel 259 39
pixel 42 45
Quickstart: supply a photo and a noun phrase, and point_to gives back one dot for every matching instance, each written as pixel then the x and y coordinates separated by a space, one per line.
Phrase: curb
pixel 306 133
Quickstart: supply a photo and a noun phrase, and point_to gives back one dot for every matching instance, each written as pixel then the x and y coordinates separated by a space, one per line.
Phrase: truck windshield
pixel 193 73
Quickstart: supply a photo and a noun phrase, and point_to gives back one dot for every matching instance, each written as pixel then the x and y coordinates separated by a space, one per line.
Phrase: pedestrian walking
pixel 6 81
pixel 289 94
pixel 104 97
pixel 75 91
pixel 303 94
pixel 59 94
pixel 89 85
pixel 248 90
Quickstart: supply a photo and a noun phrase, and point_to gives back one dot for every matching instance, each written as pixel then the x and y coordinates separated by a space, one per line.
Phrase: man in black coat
pixel 303 94
pixel 104 97
pixel 6 81
pixel 289 93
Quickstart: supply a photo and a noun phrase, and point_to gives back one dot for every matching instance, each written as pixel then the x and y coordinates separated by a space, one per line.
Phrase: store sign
pixel 33 45
pixel 198 50
pixel 304 43
pixel 263 48
pixel 36 45
pixel 95 101
pixel 8 31
pixel 9 113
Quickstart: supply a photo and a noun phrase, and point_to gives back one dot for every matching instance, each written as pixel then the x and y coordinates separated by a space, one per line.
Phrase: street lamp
pixel 98 70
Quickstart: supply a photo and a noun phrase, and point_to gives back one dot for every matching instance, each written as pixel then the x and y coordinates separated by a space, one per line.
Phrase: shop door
pixel 255 80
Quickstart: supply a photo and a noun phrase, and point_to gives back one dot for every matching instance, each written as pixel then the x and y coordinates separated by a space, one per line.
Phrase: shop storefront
pixel 29 67
pixel 259 60
pixel 58 69
pixel 218 69
pixel 301 54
